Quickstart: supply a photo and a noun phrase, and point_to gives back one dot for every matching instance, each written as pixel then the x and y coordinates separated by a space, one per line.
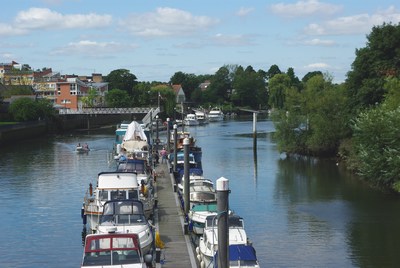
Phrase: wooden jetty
pixel 178 250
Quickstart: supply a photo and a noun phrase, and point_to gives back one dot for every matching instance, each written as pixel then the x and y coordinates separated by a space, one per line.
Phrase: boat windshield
pixel 137 167
pixel 121 213
pixel 111 251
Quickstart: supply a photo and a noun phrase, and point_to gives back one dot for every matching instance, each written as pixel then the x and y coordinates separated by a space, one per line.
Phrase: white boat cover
pixel 135 132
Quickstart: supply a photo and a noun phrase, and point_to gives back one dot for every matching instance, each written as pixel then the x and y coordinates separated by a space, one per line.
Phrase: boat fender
pixel 90 189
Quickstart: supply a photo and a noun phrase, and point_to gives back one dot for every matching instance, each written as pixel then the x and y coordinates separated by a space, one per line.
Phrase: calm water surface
pixel 299 212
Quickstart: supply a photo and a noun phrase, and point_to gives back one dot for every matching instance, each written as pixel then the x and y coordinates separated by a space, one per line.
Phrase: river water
pixel 298 212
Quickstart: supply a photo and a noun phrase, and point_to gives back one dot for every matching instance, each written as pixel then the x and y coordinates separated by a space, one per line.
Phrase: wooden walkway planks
pixel 169 221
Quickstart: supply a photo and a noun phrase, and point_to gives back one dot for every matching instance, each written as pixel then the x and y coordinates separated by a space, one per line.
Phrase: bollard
pixel 223 228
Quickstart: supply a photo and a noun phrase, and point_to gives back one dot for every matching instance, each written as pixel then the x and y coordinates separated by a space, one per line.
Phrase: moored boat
pixel 241 256
pixel 114 250
pixel 215 115
pixel 201 117
pixel 198 215
pixel 201 190
pixel 208 244
pixel 191 120
pixel 127 216
pixel 110 186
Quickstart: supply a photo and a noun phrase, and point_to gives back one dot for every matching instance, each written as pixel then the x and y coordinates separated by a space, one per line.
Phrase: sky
pixel 156 39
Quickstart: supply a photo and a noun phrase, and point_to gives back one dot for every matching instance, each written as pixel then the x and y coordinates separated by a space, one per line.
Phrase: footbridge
pixel 98 116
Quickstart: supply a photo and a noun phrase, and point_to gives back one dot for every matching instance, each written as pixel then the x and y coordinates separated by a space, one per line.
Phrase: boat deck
pixel 169 221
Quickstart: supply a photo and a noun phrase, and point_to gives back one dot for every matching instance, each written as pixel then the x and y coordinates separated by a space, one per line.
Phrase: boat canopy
pixel 245 254
pixel 135 132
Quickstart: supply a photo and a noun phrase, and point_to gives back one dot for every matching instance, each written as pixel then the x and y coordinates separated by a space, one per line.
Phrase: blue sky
pixel 155 39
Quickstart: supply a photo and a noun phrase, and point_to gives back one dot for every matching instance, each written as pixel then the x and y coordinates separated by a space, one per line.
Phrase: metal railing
pixel 139 110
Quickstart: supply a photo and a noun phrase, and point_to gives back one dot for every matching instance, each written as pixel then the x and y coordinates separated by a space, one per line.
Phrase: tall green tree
pixel 121 79
pixel 378 60
pixel 278 86
pixel 249 88
pixel 117 98
pixel 272 71
pixel 220 86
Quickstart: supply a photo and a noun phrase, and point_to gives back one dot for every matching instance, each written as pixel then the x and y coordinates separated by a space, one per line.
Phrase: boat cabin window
pixel 118 194
pixel 103 195
pixel 133 194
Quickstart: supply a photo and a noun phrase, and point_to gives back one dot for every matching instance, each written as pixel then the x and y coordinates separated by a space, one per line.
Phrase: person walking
pixel 163 154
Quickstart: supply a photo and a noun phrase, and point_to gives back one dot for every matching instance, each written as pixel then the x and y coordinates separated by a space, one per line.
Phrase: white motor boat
pixel 191 120
pixel 215 115
pixel 201 190
pixel 198 215
pixel 201 116
pixel 208 244
pixel 110 186
pixel 127 216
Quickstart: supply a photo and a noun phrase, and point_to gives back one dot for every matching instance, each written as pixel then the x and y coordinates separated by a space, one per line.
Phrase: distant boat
pixel 201 117
pixel 215 115
pixel 191 120
pixel 82 148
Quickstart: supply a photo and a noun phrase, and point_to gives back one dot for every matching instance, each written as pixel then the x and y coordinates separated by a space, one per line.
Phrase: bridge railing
pixel 138 110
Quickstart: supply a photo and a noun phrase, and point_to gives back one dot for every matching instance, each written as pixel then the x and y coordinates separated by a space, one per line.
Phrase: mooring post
pixel 254 131
pixel 157 137
pixel 186 189
pixel 175 146
pixel 223 215
pixel 168 137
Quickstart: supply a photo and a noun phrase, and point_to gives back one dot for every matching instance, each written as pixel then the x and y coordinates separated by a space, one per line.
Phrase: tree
pixel 309 75
pixel 373 64
pixel 377 145
pixel 90 99
pixel 121 79
pixel 249 88
pixel 273 70
pixel 118 98
pixel 27 109
pixel 189 82
pixel 220 86
pixel 278 85
pixel 314 120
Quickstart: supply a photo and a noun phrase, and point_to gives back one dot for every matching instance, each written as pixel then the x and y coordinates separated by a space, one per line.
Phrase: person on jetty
pixel 163 154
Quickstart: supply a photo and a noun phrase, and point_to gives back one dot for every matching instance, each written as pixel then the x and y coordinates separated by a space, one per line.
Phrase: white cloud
pixel 319 42
pixel 166 22
pixel 304 8
pixel 357 24
pixel 8 30
pixel 317 65
pixel 230 40
pixel 244 11
pixel 44 18
pixel 93 48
